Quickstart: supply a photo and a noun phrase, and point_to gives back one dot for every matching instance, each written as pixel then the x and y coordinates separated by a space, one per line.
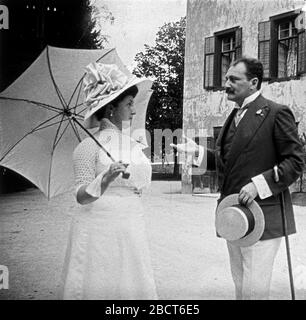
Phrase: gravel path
pixel 189 261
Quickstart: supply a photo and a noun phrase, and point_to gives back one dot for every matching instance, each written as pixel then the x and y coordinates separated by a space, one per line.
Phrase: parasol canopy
pixel 40 114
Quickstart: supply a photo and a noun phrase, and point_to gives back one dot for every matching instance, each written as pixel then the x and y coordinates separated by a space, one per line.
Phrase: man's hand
pixel 190 147
pixel 247 194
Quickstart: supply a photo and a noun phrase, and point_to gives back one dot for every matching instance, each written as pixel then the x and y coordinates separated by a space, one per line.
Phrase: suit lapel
pixel 224 129
pixel 219 142
pixel 247 128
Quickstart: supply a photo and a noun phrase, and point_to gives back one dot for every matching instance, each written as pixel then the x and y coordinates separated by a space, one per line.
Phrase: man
pixel 258 135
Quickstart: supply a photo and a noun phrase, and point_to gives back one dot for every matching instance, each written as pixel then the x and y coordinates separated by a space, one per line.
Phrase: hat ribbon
pixel 249 216
pixel 102 81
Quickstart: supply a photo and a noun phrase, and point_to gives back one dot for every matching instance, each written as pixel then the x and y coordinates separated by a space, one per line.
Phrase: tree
pixel 76 24
pixel 37 23
pixel 164 62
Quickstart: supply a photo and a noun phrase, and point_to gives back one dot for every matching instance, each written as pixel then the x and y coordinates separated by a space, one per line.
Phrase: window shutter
pixel 264 46
pixel 209 62
pixel 238 43
pixel 301 60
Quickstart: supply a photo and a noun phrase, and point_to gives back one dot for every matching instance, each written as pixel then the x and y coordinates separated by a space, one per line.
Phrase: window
pixel 227 55
pixel 209 62
pixel 220 51
pixel 287 49
pixel 301 65
pixel 264 46
pixel 281 46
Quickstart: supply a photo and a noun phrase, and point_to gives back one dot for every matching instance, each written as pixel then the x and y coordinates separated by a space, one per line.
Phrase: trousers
pixel 251 268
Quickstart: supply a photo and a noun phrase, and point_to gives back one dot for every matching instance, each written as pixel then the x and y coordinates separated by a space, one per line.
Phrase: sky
pixel 137 22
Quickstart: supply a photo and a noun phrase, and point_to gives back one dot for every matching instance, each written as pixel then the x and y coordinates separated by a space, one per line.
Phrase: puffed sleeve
pixel 84 162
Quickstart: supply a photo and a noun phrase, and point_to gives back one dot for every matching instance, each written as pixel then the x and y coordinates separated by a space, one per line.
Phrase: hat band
pixel 249 216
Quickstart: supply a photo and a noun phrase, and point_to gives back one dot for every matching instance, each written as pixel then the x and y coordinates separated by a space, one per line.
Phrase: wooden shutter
pixel 209 52
pixel 301 59
pixel 264 46
pixel 238 43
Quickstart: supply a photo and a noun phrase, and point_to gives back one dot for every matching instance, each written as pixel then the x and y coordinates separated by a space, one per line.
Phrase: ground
pixel 189 261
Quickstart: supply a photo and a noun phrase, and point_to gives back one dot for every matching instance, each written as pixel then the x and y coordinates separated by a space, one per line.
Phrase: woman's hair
pixel 132 91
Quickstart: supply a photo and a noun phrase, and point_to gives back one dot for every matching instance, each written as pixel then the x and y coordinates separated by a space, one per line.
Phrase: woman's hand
pixel 189 147
pixel 114 171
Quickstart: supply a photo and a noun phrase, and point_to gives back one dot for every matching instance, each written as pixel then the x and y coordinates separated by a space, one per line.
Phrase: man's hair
pixel 254 68
pixel 132 91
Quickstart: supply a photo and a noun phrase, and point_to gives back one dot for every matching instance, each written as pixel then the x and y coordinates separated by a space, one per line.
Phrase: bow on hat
pixel 101 81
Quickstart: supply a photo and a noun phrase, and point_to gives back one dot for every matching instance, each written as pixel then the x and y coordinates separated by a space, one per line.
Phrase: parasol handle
pixel 124 175
pixel 92 136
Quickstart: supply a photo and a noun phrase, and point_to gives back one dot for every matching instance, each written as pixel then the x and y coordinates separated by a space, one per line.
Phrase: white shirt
pixel 246 101
pixel 249 99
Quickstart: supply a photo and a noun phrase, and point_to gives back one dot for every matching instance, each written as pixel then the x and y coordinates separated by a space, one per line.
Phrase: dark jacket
pixel 266 136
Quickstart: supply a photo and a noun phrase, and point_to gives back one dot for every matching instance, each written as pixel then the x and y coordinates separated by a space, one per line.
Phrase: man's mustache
pixel 229 90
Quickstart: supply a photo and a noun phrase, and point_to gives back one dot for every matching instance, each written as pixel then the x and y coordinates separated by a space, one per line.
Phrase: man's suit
pixel 266 136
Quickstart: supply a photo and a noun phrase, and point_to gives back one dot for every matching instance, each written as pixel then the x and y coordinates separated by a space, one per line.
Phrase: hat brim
pixel 142 84
pixel 259 218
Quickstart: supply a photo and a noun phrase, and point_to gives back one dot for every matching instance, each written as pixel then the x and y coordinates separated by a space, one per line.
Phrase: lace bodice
pixel 91 162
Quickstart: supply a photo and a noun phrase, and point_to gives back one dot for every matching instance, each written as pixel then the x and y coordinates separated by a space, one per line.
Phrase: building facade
pixel 219 31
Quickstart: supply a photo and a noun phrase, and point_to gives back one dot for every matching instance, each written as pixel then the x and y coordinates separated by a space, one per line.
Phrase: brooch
pixel 260 112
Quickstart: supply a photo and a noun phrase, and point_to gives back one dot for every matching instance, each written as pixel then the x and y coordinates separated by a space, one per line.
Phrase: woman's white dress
pixel 108 255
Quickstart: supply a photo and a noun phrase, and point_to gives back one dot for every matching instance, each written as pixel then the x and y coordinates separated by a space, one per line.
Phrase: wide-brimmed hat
pixel 102 84
pixel 240 225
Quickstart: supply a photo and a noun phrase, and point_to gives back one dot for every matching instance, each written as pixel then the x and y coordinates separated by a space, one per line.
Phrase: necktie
pixel 239 115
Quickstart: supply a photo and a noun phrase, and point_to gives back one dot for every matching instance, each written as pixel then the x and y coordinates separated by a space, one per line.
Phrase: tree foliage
pixel 164 62
pixel 37 23
pixel 76 25
pixel 62 23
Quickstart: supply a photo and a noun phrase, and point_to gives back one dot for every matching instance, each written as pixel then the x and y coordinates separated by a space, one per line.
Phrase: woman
pixel 107 255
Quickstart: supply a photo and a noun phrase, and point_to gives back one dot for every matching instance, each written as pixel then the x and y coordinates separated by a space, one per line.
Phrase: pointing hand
pixel 189 147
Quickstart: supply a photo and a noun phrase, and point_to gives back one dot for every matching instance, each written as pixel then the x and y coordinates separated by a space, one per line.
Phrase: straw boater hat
pixel 102 84
pixel 241 226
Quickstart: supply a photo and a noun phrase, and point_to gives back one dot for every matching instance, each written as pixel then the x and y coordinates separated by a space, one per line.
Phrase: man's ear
pixel 254 82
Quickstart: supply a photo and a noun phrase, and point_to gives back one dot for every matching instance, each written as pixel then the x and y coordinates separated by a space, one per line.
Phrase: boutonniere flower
pixel 260 112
